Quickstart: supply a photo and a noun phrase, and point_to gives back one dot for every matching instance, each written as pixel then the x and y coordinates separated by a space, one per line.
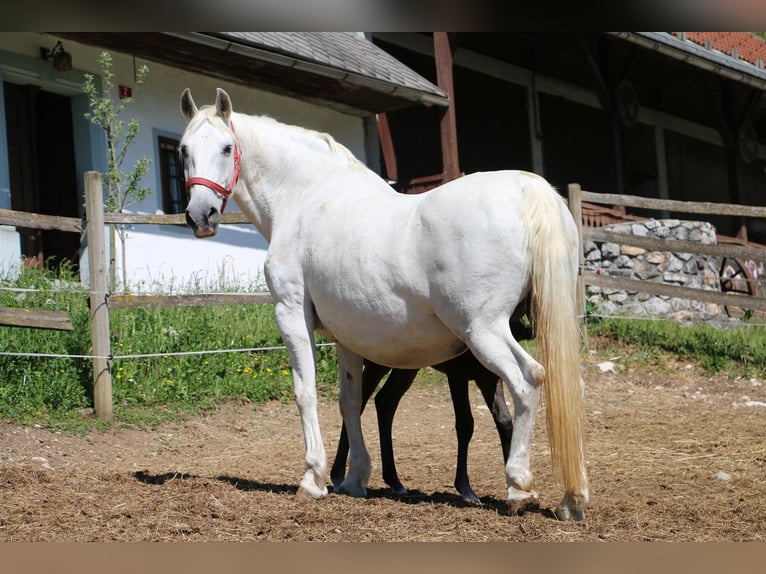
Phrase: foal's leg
pixel 350 375
pixel 464 424
pixel 371 376
pixel 459 371
pixel 386 403
pixel 492 390
pixel 524 377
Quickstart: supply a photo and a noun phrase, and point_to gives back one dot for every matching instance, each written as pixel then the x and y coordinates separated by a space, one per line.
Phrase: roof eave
pixel 699 56
pixel 319 69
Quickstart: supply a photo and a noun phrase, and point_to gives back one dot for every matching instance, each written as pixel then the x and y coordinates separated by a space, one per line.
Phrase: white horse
pixel 405 281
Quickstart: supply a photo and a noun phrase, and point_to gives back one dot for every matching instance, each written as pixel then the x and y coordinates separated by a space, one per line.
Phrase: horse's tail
pixel 553 244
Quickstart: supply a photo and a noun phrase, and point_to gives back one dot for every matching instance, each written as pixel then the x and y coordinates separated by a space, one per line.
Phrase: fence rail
pixel 202 300
pixel 38 221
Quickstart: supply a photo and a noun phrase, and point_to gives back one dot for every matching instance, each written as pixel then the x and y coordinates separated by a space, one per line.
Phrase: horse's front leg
pixel 296 327
pixel 350 377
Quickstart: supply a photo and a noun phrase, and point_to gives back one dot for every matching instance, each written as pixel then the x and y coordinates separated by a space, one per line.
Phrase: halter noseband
pixel 224 191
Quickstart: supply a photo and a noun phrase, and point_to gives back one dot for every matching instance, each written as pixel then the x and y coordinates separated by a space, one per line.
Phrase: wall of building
pixel 161 254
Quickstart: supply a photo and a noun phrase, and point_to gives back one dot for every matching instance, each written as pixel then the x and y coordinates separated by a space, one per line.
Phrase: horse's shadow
pixel 411 497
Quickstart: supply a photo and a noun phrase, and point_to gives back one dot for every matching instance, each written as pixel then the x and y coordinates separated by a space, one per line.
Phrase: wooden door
pixel 42 169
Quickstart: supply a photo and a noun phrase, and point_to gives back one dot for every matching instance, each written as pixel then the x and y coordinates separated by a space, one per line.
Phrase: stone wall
pixel 684 269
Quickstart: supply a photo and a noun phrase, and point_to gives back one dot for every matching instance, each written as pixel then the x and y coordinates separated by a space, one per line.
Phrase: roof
pixel 341 70
pixel 739 56
pixel 744 46
pixel 347 52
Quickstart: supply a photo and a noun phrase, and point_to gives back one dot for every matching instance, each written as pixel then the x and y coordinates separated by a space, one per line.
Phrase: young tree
pixel 124 189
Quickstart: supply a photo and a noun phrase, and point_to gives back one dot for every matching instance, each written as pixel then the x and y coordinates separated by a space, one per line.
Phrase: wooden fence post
pixel 99 320
pixel 574 192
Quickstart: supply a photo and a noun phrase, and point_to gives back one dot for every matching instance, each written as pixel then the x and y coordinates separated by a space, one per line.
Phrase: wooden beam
pixel 170 219
pixel 35 319
pixel 37 221
pixel 448 124
pixel 601 235
pixel 99 312
pixel 664 289
pixel 600 86
pixel 387 147
pixel 202 300
pixel 574 195
pixel 704 207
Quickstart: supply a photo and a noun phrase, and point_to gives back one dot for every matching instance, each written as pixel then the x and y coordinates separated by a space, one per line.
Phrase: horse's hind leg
pixel 386 403
pixel 523 376
pixel 371 376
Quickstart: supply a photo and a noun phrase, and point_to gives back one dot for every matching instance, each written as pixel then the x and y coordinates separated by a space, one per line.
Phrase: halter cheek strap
pixel 218 188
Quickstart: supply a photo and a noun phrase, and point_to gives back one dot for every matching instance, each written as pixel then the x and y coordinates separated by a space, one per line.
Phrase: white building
pixel 332 82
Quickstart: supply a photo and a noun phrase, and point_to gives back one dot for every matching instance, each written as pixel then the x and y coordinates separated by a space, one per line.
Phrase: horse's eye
pixel 227 150
pixel 182 152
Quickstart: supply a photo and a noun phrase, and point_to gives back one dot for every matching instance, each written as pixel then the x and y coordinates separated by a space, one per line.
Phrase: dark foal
pixel 459 371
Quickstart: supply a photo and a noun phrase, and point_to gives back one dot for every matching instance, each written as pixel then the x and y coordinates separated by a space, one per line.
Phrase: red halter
pixel 224 191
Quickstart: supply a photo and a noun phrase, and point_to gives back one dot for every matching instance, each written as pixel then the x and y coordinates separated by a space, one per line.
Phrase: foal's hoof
pixel 397 488
pixel 469 496
pixel 465 490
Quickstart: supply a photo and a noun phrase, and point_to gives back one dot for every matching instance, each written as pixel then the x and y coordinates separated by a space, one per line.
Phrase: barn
pixel 676 115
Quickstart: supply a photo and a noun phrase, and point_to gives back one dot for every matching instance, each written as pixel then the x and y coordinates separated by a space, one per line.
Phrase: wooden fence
pixel 728 249
pixel 101 301
pixel 99 297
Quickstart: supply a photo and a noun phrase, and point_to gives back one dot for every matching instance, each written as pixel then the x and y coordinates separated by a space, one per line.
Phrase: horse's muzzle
pixel 206 224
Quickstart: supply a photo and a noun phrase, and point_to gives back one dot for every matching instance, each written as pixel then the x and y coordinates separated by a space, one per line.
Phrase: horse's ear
pixel 188 107
pixel 222 104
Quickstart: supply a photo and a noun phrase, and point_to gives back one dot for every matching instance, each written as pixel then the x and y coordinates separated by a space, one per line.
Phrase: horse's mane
pixel 325 140
pixel 298 133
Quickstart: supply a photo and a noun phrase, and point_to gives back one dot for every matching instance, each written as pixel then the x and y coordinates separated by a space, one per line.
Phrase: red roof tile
pixel 748 46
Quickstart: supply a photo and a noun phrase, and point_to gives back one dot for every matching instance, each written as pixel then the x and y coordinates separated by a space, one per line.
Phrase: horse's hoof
pixel 310 492
pixel 521 501
pixel 565 512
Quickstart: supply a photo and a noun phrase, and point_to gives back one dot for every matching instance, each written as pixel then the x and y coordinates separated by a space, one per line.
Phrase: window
pixel 174 198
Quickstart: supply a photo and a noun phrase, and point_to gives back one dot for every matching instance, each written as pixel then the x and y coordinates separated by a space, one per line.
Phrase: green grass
pixel 57 391
pixel 739 351
pixel 147 390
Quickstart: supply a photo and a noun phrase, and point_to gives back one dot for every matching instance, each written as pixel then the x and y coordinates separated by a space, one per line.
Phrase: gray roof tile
pixel 344 51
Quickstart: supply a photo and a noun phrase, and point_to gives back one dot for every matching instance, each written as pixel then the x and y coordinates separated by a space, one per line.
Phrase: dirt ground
pixel 673 455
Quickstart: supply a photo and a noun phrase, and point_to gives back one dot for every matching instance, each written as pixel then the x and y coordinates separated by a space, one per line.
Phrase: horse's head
pixel 210 153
